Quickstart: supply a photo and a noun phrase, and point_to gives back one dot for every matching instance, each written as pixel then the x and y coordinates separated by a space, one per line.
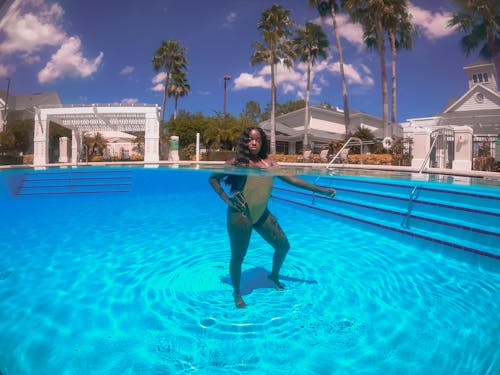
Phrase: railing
pixel 346 146
pixel 406 220
pixel 428 156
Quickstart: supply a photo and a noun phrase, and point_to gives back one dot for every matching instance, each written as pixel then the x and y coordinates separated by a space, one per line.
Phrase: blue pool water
pixel 136 282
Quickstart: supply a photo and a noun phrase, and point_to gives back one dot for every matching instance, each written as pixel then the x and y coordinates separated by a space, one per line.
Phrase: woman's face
pixel 254 142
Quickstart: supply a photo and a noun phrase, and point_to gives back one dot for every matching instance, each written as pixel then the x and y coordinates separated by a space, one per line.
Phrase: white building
pixel 325 125
pixel 111 120
pixel 465 124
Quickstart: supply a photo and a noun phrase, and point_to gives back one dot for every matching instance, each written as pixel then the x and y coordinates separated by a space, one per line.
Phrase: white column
pixel 421 146
pixel 463 148
pixel 173 153
pixel 63 149
pixel 75 146
pixel 197 147
pixel 40 139
pixel 152 138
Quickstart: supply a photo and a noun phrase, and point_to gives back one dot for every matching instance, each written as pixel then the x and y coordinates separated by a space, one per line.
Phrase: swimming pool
pixel 136 282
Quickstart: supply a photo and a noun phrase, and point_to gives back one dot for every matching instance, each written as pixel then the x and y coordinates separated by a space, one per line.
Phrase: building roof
pixel 289 127
pixel 20 103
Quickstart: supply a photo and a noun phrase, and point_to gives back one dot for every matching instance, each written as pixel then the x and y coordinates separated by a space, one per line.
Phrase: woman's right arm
pixel 215 182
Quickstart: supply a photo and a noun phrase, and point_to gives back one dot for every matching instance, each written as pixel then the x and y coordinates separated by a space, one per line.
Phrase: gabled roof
pixel 461 103
pixel 27 102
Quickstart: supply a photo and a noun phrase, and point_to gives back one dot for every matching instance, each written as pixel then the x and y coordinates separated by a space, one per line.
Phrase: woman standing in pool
pixel 247 206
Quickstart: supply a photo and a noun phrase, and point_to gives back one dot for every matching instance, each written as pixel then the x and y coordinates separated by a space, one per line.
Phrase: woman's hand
pixel 239 203
pixel 329 192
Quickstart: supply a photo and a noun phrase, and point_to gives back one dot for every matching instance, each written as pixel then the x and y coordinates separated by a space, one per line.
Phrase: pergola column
pixel 63 150
pixel 41 138
pixel 75 146
pixel 152 138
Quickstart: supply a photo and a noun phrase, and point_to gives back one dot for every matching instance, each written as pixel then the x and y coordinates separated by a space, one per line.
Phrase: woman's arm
pixel 303 184
pixel 215 182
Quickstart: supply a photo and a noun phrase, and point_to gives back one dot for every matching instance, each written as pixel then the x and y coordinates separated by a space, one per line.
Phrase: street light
pixel 3 125
pixel 227 77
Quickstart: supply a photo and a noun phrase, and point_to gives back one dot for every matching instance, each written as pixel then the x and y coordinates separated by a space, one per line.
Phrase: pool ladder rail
pixel 411 199
pixel 460 219
pixel 70 183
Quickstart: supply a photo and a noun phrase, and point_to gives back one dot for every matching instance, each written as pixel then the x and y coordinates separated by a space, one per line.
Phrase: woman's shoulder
pixel 270 162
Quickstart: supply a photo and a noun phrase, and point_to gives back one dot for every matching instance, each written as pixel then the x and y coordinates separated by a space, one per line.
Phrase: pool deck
pixel 207 164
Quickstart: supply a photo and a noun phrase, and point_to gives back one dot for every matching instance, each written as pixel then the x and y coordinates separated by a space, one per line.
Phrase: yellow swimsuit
pixel 257 191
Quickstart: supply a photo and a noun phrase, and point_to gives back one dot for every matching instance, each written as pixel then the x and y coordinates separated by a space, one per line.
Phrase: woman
pixel 247 206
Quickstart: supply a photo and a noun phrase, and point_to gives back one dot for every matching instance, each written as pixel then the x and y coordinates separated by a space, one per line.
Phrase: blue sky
pixel 99 51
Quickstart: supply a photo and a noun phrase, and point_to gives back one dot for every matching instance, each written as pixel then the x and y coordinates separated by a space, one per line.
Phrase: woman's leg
pixel 271 231
pixel 239 228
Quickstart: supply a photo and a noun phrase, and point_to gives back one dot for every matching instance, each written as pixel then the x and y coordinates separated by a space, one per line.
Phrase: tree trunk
pixel 381 50
pixel 341 65
pixel 165 94
pixel 273 109
pixel 175 106
pixel 307 118
pixel 392 41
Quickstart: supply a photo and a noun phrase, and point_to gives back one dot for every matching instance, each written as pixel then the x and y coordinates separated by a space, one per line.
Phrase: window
pixel 480 76
pixel 474 78
pixel 485 77
pixel 282 147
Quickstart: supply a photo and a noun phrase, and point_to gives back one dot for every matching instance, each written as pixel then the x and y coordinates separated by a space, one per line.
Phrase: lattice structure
pixel 96 118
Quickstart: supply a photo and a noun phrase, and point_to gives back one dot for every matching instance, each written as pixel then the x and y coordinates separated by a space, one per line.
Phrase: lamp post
pixel 3 125
pixel 227 77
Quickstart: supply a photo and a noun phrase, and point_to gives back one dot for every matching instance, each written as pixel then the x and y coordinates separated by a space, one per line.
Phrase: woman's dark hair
pixel 243 153
pixel 242 158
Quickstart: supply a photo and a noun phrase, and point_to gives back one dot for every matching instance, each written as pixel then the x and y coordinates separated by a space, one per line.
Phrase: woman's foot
pixel 238 301
pixel 276 281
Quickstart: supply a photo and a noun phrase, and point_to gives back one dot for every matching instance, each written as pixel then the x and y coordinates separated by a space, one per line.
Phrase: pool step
pixel 461 220
pixel 70 182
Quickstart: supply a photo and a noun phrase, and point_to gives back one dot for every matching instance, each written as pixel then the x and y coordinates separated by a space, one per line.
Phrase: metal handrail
pixel 406 220
pixel 428 156
pixel 343 148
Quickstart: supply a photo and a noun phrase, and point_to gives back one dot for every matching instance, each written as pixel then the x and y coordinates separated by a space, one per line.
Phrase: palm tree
pixel 178 87
pixel 170 56
pixel 480 21
pixel 370 14
pixel 94 144
pixel 396 21
pixel 333 7
pixel 399 31
pixel 275 25
pixel 311 43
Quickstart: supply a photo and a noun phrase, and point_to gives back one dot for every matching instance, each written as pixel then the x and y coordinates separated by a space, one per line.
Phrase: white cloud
pixel 30 27
pixel 29 32
pixel 246 80
pixel 5 71
pixel 159 81
pixel 69 61
pixel 352 32
pixel 231 17
pixel 127 69
pixel 294 80
pixel 129 101
pixel 158 87
pixel 431 25
pixel 229 21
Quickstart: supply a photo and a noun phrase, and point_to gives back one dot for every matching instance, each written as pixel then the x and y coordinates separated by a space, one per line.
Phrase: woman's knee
pixel 237 258
pixel 283 246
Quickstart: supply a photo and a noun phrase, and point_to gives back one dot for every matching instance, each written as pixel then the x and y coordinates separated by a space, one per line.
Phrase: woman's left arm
pixel 303 184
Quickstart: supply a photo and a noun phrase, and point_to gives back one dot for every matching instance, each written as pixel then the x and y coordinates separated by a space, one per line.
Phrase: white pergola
pixel 96 118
